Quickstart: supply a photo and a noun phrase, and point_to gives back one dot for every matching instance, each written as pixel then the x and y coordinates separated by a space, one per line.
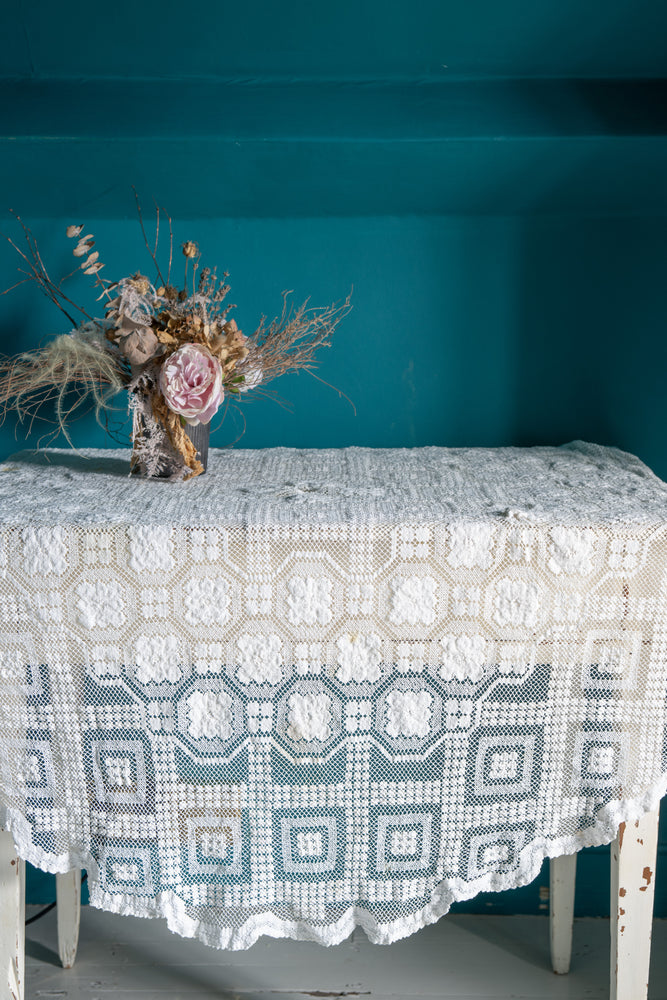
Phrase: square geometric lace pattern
pixel 318 689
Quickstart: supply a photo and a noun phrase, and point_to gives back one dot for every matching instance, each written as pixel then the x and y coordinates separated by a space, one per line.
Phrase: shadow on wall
pixel 592 344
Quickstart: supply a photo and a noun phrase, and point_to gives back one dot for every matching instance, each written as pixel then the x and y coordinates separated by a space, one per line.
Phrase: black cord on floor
pixel 41 913
pixel 47 909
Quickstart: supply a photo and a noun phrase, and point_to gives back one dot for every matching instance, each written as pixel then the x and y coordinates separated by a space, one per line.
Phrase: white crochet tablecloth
pixel 318 689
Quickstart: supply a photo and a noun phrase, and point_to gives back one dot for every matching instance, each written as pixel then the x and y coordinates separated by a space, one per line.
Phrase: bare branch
pixel 143 230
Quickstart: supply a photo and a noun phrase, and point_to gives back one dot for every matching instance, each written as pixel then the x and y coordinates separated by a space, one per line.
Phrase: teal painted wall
pixel 349 39
pixel 490 178
pixel 465 330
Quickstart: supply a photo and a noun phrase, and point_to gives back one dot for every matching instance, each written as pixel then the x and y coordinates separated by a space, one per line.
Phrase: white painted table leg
pixel 68 895
pixel 12 920
pixel 562 879
pixel 632 883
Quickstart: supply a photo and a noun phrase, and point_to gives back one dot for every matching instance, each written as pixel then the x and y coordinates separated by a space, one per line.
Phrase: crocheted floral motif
pixel 308 657
pixel 414 541
pixel 515 658
pixel 458 713
pixel 105 661
pixel 494 854
pixel 520 545
pixel 260 716
pixel 470 545
pixel 568 607
pixel 360 599
pixel 571 550
pixel 119 772
pixel 411 657
pixel 413 600
pixel 151 548
pixel 408 713
pixel 309 717
pixel 258 598
pixel 466 601
pixel 206 601
pixel 359 658
pixel 97 548
pixel 48 606
pixel 154 602
pixel 44 551
pixel 208 657
pixel 464 657
pixel 156 658
pixel 210 715
pixel 309 600
pixel 404 841
pixel 309 843
pixel 503 764
pixel 358 716
pixel 261 659
pixel 30 773
pixel 100 604
pixel 516 603
pixel 12 664
pixel 624 554
pixel 205 545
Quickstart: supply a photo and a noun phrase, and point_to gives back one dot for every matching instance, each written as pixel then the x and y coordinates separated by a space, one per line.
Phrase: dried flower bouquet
pixel 174 349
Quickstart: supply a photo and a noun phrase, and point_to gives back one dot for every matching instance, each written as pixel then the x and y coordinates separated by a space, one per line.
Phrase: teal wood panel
pixel 596 175
pixel 359 39
pixel 498 147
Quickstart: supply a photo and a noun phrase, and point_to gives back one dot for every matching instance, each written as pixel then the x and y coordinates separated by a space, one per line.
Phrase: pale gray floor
pixel 467 957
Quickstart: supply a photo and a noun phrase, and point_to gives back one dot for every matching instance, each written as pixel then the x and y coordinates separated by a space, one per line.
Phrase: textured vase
pixel 161 460
pixel 199 435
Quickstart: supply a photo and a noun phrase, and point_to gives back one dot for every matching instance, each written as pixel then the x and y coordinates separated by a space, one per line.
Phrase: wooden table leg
pixel 12 920
pixel 68 895
pixel 562 879
pixel 633 856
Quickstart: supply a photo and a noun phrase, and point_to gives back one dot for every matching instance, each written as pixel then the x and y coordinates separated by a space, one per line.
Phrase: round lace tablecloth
pixel 318 689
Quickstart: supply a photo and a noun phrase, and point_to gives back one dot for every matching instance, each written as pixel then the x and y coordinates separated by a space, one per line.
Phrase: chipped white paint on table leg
pixel 562 879
pixel 12 920
pixel 68 895
pixel 633 856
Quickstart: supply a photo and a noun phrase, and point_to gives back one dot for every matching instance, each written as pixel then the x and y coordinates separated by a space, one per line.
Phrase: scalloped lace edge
pixel 169 906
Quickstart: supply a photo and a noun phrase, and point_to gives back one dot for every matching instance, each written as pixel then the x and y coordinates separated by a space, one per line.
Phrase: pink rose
pixel 191 383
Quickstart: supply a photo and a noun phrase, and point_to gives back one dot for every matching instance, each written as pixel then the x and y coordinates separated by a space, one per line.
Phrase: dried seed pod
pixel 139 346
pixel 81 249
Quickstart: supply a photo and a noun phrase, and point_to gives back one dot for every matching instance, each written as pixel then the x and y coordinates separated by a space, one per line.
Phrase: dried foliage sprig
pixel 71 371
pixel 175 349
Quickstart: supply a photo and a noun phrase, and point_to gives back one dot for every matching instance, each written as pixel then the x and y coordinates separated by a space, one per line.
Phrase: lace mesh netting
pixel 316 689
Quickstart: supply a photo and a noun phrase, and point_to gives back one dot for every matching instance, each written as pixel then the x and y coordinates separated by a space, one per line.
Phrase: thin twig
pixel 340 392
pixel 157 227
pixel 12 287
pixel 39 275
pixel 171 247
pixel 143 230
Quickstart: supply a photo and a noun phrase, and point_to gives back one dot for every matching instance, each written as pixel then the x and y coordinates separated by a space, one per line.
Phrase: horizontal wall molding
pixel 332 111
pixel 500 147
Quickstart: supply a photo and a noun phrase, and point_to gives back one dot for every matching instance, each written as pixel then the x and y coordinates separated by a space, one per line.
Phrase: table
pixel 312 690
